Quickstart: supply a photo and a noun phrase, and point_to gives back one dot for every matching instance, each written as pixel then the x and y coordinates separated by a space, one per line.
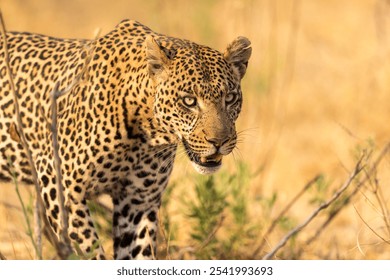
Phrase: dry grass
pixel 317 91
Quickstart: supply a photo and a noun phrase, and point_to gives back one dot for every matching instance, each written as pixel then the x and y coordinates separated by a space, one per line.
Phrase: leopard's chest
pixel 140 171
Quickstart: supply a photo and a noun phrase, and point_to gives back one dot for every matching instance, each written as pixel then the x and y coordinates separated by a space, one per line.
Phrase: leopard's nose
pixel 217 142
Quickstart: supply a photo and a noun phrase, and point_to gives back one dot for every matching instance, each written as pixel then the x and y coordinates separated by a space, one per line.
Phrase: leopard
pixel 134 96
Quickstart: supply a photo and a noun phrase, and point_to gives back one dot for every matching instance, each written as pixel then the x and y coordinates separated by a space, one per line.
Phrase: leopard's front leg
pixel 134 229
pixel 136 205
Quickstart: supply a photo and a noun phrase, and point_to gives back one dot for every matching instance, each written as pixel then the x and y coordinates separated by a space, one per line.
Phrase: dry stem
pixel 358 168
pixel 64 247
pixel 57 165
pixel 55 94
pixel 211 235
pixel 373 231
pixel 23 139
pixel 338 209
pixel 164 235
pixel 282 213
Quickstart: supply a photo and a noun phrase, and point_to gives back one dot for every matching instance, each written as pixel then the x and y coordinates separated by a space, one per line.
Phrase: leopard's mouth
pixel 203 164
pixel 209 161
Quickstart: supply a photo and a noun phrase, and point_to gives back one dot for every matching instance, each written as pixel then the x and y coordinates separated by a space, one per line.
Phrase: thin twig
pixel 54 95
pixel 168 244
pixel 211 235
pixel 24 209
pixel 358 168
pixel 164 235
pixel 78 78
pixel 377 191
pixel 38 226
pixel 282 214
pixel 338 209
pixel 57 165
pixel 373 231
pixel 20 126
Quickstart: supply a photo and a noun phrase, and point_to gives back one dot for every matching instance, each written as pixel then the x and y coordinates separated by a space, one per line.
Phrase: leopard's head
pixel 198 95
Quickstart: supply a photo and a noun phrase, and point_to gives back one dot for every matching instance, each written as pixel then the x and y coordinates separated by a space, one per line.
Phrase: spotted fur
pixel 140 95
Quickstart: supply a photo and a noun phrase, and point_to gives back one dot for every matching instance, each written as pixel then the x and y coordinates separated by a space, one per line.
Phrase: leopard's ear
pixel 156 58
pixel 237 55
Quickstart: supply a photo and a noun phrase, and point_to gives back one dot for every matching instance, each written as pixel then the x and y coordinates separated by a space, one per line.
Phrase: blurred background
pixel 317 95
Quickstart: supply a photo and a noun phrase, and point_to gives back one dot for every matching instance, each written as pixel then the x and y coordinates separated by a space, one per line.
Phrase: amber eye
pixel 189 101
pixel 230 98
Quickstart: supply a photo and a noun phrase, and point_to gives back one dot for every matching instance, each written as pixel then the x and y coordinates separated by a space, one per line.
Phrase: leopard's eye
pixel 189 101
pixel 231 98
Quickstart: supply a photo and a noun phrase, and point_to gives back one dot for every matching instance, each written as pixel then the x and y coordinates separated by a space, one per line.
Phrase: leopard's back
pixel 37 63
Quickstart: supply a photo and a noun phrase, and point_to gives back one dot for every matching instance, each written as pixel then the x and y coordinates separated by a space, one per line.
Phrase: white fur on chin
pixel 205 170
